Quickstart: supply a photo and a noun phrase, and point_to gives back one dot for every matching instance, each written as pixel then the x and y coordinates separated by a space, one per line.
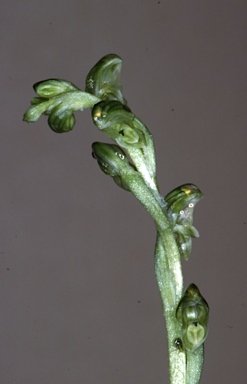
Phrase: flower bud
pixel 111 158
pixel 64 100
pixel 53 87
pixel 192 312
pixel 181 202
pixel 61 120
pixel 103 80
pixel 34 112
pixel 117 122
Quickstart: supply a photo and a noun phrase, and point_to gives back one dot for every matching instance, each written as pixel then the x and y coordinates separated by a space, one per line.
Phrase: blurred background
pixel 79 300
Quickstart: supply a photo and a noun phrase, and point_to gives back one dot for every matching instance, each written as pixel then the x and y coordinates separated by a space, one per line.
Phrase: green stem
pixel 168 273
pixel 185 367
pixel 194 365
pixel 177 358
pixel 152 201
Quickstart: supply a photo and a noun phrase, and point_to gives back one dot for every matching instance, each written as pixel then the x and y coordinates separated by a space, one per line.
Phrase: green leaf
pixel 103 80
pixel 193 312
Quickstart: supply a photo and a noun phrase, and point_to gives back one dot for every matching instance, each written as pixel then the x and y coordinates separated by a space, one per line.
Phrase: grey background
pixel 79 301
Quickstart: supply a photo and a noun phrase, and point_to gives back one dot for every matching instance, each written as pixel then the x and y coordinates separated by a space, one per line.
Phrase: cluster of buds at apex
pixel 58 99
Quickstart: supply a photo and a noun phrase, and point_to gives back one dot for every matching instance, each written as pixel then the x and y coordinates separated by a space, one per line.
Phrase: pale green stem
pixel 138 158
pixel 185 367
pixel 177 358
pixel 152 201
pixel 168 272
pixel 194 365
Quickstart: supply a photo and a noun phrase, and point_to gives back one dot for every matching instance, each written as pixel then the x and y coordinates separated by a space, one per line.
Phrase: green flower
pixel 192 312
pixel 118 123
pixel 103 80
pixel 180 206
pixel 113 162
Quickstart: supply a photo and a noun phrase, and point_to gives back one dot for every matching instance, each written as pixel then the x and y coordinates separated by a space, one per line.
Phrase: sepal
pixel 193 312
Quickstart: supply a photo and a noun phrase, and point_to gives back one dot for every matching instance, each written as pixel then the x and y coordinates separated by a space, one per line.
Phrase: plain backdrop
pixel 78 297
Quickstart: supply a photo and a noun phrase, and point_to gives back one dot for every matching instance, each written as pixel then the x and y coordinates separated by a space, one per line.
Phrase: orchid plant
pixel 130 160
